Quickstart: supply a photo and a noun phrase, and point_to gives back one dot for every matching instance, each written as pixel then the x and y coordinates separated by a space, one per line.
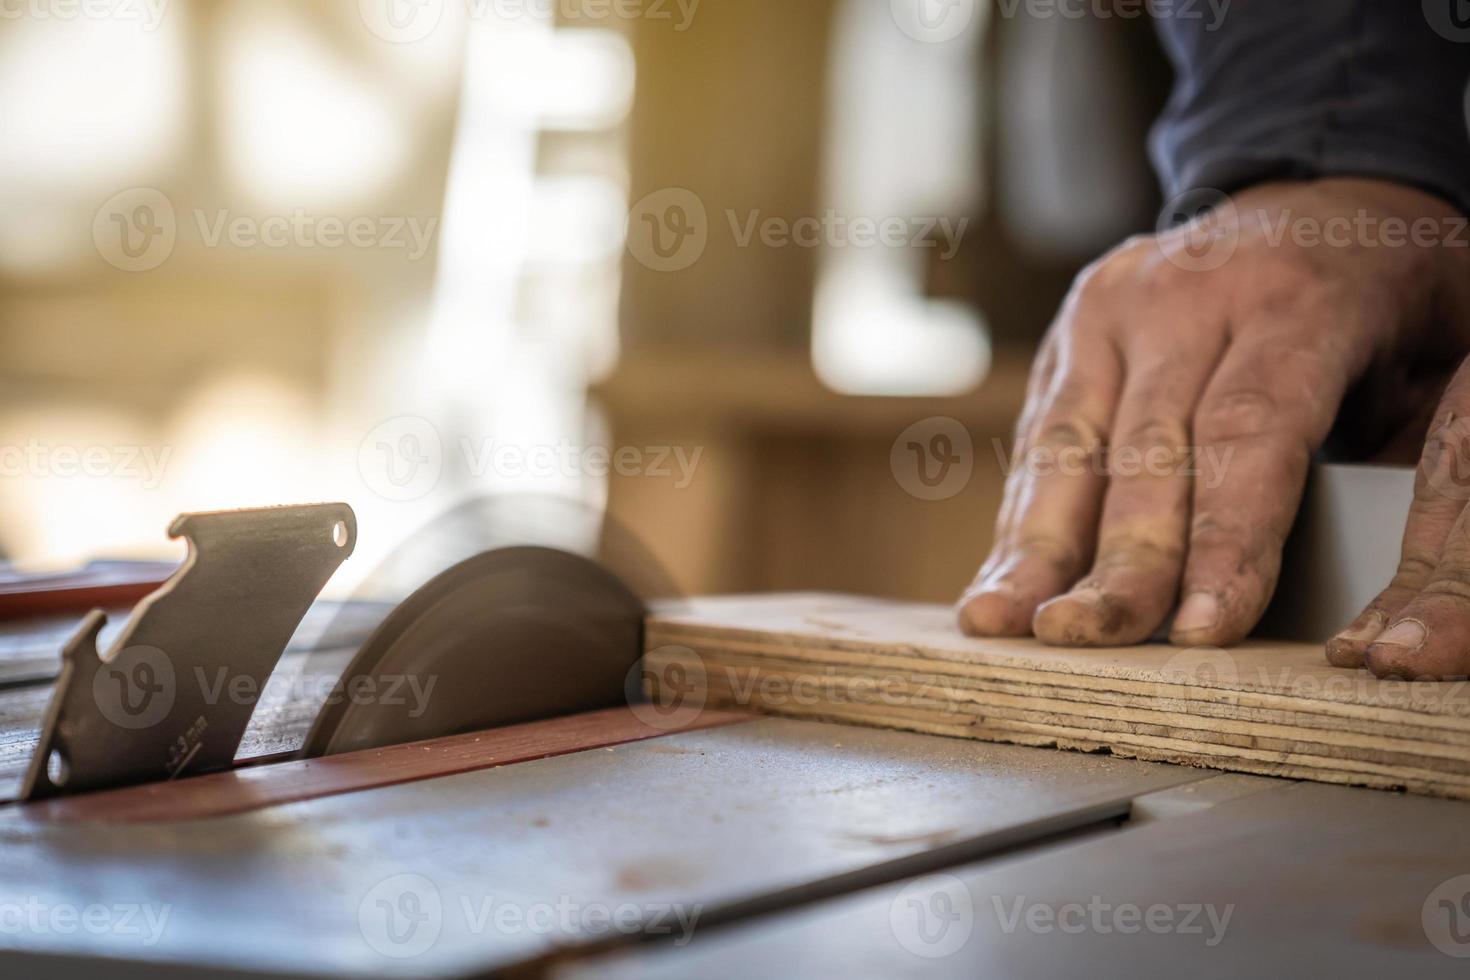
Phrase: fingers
pixel 1266 410
pixel 1432 515
pixel 1145 523
pixel 1419 626
pixel 1053 493
pixel 1429 638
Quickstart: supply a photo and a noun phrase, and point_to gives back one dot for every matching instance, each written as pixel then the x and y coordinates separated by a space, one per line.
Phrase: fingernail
pixel 1369 630
pixel 1409 633
pixel 1200 611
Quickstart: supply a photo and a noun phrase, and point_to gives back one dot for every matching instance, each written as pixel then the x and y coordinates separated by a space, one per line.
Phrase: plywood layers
pixel 1267 708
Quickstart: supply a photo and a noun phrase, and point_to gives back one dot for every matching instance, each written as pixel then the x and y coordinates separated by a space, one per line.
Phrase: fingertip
pixel 1344 651
pixel 1349 648
pixel 1201 621
pixel 1415 650
pixel 993 613
pixel 1390 661
pixel 1089 617
pixel 1068 620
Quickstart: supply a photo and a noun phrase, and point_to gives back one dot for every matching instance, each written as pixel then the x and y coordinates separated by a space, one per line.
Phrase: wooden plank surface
pixel 695 823
pixel 1303 880
pixel 1275 709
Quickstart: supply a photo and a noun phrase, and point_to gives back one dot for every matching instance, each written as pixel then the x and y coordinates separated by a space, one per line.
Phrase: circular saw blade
pixel 508 636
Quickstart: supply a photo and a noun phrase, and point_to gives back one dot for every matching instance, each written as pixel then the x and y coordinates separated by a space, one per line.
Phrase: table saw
pixel 534 815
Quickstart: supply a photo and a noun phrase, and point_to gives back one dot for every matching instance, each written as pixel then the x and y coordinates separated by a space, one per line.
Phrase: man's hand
pixel 1419 627
pixel 1161 355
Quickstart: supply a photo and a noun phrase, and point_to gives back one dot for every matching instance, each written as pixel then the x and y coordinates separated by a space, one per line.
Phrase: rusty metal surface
pixel 1301 880
pixel 480 870
pixel 174 693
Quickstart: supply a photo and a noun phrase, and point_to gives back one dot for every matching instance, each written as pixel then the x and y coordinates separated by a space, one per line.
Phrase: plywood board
pixel 1275 709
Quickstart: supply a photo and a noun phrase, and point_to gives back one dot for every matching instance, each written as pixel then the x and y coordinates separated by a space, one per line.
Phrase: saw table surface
pixel 599 844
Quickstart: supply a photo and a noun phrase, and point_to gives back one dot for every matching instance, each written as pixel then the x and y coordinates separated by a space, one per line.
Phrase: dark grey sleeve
pixel 1309 88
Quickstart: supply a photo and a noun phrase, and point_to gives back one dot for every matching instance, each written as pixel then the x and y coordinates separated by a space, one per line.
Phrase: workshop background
pixel 408 252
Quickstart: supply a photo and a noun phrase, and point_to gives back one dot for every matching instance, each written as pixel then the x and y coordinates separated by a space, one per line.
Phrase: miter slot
pixel 173 694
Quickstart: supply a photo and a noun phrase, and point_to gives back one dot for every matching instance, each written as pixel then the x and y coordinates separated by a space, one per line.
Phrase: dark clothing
pixel 1314 88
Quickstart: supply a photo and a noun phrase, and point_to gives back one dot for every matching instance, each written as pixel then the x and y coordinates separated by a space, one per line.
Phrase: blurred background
pixel 758 280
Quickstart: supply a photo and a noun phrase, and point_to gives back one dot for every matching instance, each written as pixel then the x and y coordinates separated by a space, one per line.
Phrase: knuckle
pixel 1413 571
pixel 1068 432
pixel 1211 533
pixel 1451 578
pixel 1156 432
pixel 1134 552
pixel 1242 415
pixel 1059 553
